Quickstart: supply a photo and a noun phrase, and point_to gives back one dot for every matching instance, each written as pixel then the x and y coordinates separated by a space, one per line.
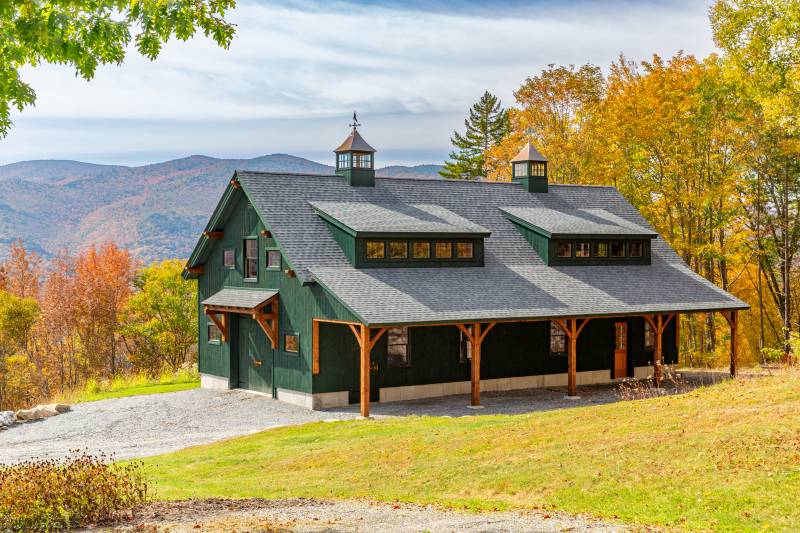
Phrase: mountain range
pixel 157 211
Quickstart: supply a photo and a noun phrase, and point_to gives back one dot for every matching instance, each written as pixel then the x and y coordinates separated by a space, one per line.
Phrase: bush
pixel 46 495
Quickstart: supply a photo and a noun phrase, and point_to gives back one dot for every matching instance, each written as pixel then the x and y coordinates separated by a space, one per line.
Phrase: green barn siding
pixel 509 350
pixel 537 241
pixel 345 240
pixel 298 303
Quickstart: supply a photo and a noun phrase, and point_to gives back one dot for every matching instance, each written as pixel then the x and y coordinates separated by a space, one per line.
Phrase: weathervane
pixel 355 123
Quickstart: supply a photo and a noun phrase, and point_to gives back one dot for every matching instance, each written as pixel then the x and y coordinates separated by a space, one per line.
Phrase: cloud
pixel 312 61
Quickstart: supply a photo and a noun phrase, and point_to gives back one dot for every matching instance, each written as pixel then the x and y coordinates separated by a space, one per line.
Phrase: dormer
pixel 582 236
pixel 529 168
pixel 355 159
pixel 396 235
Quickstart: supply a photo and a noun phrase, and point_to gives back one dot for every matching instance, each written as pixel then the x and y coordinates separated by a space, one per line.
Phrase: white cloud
pixel 309 61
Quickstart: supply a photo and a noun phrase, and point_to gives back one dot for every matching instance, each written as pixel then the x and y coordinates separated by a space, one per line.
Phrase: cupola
pixel 355 159
pixel 529 168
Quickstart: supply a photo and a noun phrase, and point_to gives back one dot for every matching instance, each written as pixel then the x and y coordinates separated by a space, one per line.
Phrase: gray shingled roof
pixel 244 298
pixel 572 222
pixel 514 283
pixel 368 217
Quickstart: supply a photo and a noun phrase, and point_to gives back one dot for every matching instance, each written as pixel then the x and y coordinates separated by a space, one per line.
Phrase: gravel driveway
pixel 139 426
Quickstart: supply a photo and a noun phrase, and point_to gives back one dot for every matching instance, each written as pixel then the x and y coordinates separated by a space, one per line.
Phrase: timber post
pixel 475 374
pixel 364 346
pixel 733 321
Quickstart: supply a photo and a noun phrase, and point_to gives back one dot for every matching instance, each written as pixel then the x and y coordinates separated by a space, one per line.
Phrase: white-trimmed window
pixel 649 336
pixel 558 340
pixel 273 259
pixel 214 334
pixel 251 259
pixel 464 348
pixel 397 347
pixel 291 343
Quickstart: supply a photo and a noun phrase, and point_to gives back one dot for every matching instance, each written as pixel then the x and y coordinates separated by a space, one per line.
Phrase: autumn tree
pixel 486 125
pixel 760 42
pixel 557 112
pixel 86 33
pixel 161 318
pixel 17 318
pixel 103 282
pixel 22 271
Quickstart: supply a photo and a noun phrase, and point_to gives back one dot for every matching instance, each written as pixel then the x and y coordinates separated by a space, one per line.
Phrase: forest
pixel 95 315
pixel 706 148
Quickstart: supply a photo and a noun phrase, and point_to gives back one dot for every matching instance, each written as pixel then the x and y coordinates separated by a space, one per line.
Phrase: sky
pixel 297 70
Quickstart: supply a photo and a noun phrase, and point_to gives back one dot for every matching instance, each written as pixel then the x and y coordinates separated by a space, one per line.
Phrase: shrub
pixel 47 495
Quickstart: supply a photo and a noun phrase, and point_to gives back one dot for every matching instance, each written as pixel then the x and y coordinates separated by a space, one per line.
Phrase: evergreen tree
pixel 486 126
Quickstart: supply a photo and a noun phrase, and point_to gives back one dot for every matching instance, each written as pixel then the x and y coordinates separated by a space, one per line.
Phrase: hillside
pixel 723 457
pixel 155 210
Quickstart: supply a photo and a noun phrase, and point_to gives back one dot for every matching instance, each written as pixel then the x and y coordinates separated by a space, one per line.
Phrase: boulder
pixel 41 411
pixel 7 419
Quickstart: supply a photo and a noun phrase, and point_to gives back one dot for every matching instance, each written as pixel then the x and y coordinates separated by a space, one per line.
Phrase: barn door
pixel 255 357
pixel 620 350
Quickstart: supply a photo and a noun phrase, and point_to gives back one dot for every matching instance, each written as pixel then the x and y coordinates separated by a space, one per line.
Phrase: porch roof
pixel 240 298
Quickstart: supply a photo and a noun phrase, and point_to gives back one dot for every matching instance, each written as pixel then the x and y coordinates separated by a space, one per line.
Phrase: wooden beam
pixel 221 321
pixel 198 270
pixel 364 343
pixel 733 321
pixel 213 235
pixel 475 374
pixel 289 272
pixel 657 356
pixel 572 358
pixel 315 346
pixel 266 233
pixel 235 184
pixel 376 338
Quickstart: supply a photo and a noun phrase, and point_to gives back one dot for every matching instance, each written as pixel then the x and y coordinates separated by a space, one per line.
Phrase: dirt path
pixel 310 515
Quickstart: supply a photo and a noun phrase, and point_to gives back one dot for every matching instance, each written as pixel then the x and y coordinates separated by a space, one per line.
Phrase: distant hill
pixel 157 211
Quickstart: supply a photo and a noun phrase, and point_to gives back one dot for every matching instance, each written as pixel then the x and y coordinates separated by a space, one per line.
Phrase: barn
pixel 327 290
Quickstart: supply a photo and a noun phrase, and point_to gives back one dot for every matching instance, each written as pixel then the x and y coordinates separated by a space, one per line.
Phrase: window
pixel 558 340
pixel 538 169
pixel 376 250
pixel 398 249
pixel 464 250
pixel 583 249
pixel 250 258
pixel 444 250
pixel 214 334
pixel 362 160
pixel 291 343
pixel 229 258
pixel 564 249
pixel 635 249
pixel 342 161
pixel 601 249
pixel 649 336
pixel 464 348
pixel 421 250
pixel 520 169
pixel 274 259
pixel 397 351
pixel 617 249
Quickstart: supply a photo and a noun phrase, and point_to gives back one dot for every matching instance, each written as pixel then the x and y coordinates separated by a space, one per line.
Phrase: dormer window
pixel 582 236
pixel 394 235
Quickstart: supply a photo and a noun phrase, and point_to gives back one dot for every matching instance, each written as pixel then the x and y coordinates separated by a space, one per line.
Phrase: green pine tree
pixel 487 125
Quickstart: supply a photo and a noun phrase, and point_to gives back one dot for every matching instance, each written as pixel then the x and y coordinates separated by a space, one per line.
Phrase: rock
pixel 41 411
pixel 7 419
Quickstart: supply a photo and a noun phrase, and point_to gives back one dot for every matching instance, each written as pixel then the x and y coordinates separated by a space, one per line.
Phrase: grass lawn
pixel 134 385
pixel 723 457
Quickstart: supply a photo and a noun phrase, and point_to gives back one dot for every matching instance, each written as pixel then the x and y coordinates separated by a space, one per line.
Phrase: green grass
pixel 134 385
pixel 725 457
